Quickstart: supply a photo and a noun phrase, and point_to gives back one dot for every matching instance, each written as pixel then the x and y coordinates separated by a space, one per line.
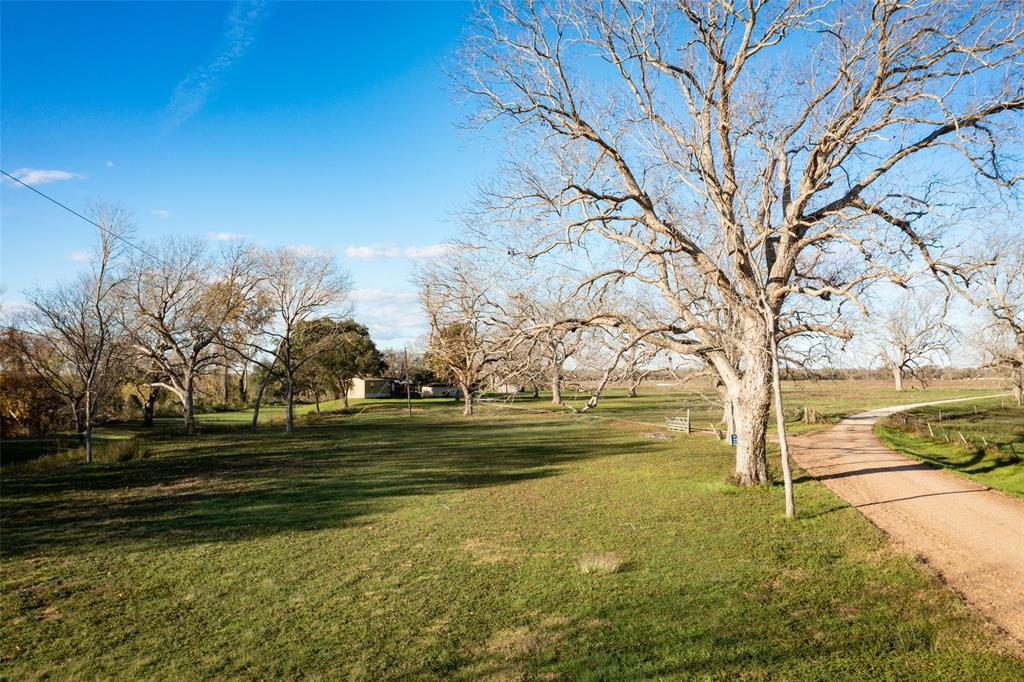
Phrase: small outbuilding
pixel 440 391
pixel 371 387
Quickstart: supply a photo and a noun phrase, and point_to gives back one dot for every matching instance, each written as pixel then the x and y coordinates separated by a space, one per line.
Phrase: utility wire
pixel 91 222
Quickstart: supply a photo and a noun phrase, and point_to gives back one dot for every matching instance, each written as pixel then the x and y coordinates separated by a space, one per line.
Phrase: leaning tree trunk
pixel 259 397
pixel 467 400
pixel 631 393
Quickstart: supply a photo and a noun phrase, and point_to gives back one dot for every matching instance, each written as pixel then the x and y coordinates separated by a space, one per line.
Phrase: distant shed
pixel 370 387
pixel 440 391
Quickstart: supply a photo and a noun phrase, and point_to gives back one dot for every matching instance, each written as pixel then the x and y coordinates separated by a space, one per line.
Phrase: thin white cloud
pixel 374 251
pixel 161 213
pixel 431 251
pixel 224 236
pixel 192 92
pixel 11 310
pixel 110 164
pixel 39 176
pixel 394 318
pixel 79 256
pixel 307 250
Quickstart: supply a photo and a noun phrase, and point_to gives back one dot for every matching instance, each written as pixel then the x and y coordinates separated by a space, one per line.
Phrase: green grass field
pixel 379 546
pixel 994 429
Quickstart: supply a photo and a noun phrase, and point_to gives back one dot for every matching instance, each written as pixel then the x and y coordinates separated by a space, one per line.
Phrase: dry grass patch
pixel 487 552
pixel 600 564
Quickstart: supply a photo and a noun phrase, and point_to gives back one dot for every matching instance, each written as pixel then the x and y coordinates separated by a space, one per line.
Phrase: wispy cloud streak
pixel 374 251
pixel 192 93
pixel 39 176
pixel 225 236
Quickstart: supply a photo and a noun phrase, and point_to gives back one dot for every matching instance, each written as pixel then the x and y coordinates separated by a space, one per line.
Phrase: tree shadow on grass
pixel 228 484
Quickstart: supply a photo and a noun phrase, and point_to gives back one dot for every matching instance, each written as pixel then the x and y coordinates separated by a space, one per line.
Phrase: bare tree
pixel 637 365
pixel 298 285
pixel 536 311
pixel 749 167
pixel 77 344
pixel 609 349
pixel 469 328
pixel 250 336
pixel 913 335
pixel 178 302
pixel 999 291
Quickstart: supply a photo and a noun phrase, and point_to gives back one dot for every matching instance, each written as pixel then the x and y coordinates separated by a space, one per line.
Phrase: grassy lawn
pixel 1000 424
pixel 380 546
pixel 833 400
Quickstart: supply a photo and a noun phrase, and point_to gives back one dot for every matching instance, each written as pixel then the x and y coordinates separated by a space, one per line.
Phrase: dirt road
pixel 972 535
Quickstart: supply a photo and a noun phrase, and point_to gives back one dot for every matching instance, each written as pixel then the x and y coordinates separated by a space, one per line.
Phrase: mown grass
pixel 993 429
pixel 831 399
pixel 380 546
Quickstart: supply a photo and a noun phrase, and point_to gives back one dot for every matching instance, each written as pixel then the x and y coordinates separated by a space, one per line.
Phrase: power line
pixel 88 220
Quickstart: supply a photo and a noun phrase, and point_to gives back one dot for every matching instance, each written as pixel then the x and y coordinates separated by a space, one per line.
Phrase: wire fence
pixel 933 428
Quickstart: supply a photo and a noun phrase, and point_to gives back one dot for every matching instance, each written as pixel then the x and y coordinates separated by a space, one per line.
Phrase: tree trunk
pixel 289 413
pixel 189 407
pixel 631 393
pixel 780 418
pixel 467 400
pixel 536 391
pixel 344 398
pixel 317 394
pixel 1018 383
pixel 226 383
pixel 751 398
pixel 727 409
pixel 556 384
pixel 149 408
pixel 88 442
pixel 259 397
pixel 243 388
pixel 897 377
pixel 88 427
pixel 729 419
pixel 76 413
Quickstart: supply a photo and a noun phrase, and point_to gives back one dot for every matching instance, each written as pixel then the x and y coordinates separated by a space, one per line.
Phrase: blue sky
pixel 324 125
